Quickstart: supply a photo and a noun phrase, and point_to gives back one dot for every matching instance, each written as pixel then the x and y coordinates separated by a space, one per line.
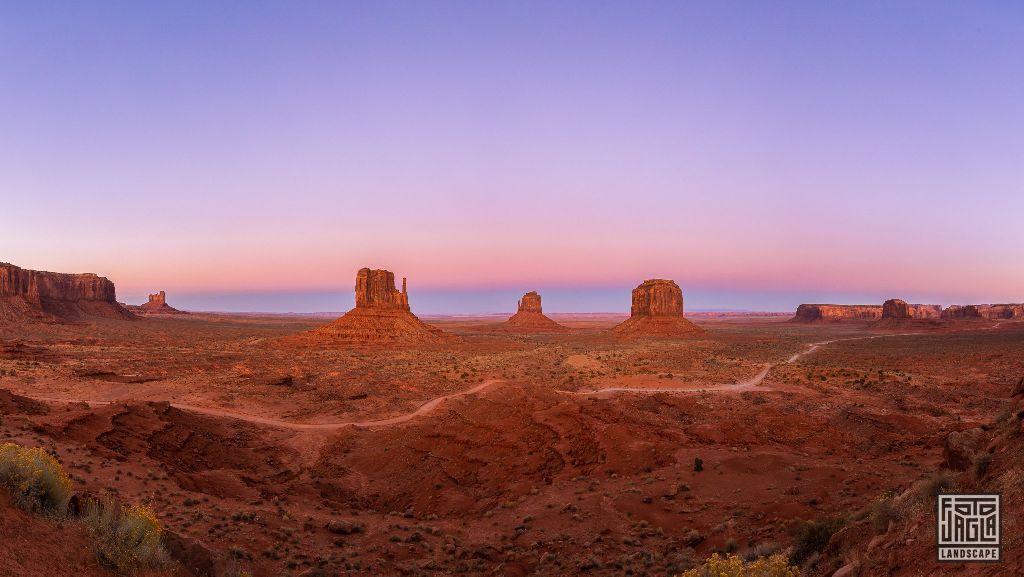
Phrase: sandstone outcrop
pixel 896 312
pixel 809 313
pixel 50 296
pixel 657 311
pixel 530 317
pixel 381 317
pixel 157 305
pixel 998 312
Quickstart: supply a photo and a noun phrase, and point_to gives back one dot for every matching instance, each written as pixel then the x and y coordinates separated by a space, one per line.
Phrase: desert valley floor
pixel 505 454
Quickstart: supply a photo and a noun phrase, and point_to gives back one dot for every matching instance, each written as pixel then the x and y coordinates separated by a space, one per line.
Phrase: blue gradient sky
pixel 253 155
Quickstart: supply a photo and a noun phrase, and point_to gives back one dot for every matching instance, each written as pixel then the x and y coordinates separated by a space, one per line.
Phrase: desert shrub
pixel 882 511
pixel 733 566
pixel 981 465
pixel 698 464
pixel 126 538
pixel 810 537
pixel 935 484
pixel 36 480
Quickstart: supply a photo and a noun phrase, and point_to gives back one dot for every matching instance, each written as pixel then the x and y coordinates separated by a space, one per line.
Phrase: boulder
pixel 961 447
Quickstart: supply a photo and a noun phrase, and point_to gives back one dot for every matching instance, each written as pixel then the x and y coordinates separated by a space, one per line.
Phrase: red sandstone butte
pixel 51 296
pixel 530 317
pixel 657 311
pixel 809 313
pixel 157 305
pixel 381 317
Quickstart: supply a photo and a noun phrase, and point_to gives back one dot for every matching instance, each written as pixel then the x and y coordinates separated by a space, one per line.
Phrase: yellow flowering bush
pixel 732 566
pixel 35 479
pixel 126 538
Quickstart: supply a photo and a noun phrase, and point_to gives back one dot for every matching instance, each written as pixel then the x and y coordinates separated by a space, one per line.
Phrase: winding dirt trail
pixel 422 410
pixel 432 404
pixel 743 385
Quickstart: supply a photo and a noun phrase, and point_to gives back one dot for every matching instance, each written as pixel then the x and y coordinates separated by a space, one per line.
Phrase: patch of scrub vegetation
pixel 733 566
pixel 126 538
pixel 36 480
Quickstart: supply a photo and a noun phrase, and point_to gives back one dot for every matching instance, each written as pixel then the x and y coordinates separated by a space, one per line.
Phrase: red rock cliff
pixel 822 312
pixel 376 289
pixel 657 311
pixel 657 297
pixel 58 294
pixel 530 303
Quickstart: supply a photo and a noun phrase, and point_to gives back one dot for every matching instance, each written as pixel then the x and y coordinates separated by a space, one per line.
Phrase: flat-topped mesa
pixel 1006 311
pixel 376 289
pixel 156 305
pixel 381 317
pixel 899 313
pixel 809 313
pixel 32 294
pixel 657 310
pixel 897 309
pixel 529 317
pixel 984 312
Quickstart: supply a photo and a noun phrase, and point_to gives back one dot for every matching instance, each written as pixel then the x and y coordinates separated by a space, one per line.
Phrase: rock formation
pixel 898 313
pixel 809 313
pixel 381 317
pixel 1006 311
pixel 157 305
pixel 530 318
pixel 984 312
pixel 657 310
pixel 50 296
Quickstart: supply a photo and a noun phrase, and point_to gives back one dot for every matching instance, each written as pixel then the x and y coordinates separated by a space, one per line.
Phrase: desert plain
pixel 576 451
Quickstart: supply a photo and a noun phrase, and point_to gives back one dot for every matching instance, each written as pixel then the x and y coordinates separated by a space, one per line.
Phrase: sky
pixel 253 155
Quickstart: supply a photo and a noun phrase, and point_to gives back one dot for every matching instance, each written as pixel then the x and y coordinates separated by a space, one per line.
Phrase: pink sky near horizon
pixel 820 150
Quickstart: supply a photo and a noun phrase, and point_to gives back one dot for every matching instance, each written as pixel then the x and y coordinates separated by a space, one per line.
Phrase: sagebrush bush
pixel 810 537
pixel 883 511
pixel 126 538
pixel 732 566
pixel 36 480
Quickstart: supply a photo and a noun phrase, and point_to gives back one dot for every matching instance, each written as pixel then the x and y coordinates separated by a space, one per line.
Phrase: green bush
pixel 36 480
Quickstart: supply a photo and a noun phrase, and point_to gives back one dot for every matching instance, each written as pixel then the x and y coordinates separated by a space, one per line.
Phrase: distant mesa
pixel 899 311
pixel 381 317
pixel 530 318
pixel 896 312
pixel 984 312
pixel 657 311
pixel 32 295
pixel 157 305
pixel 810 313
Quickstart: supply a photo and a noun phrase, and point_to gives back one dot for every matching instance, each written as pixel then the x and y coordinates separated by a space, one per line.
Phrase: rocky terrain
pixel 381 317
pixel 530 318
pixel 546 454
pixel 657 310
pixel 32 295
pixel 156 305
